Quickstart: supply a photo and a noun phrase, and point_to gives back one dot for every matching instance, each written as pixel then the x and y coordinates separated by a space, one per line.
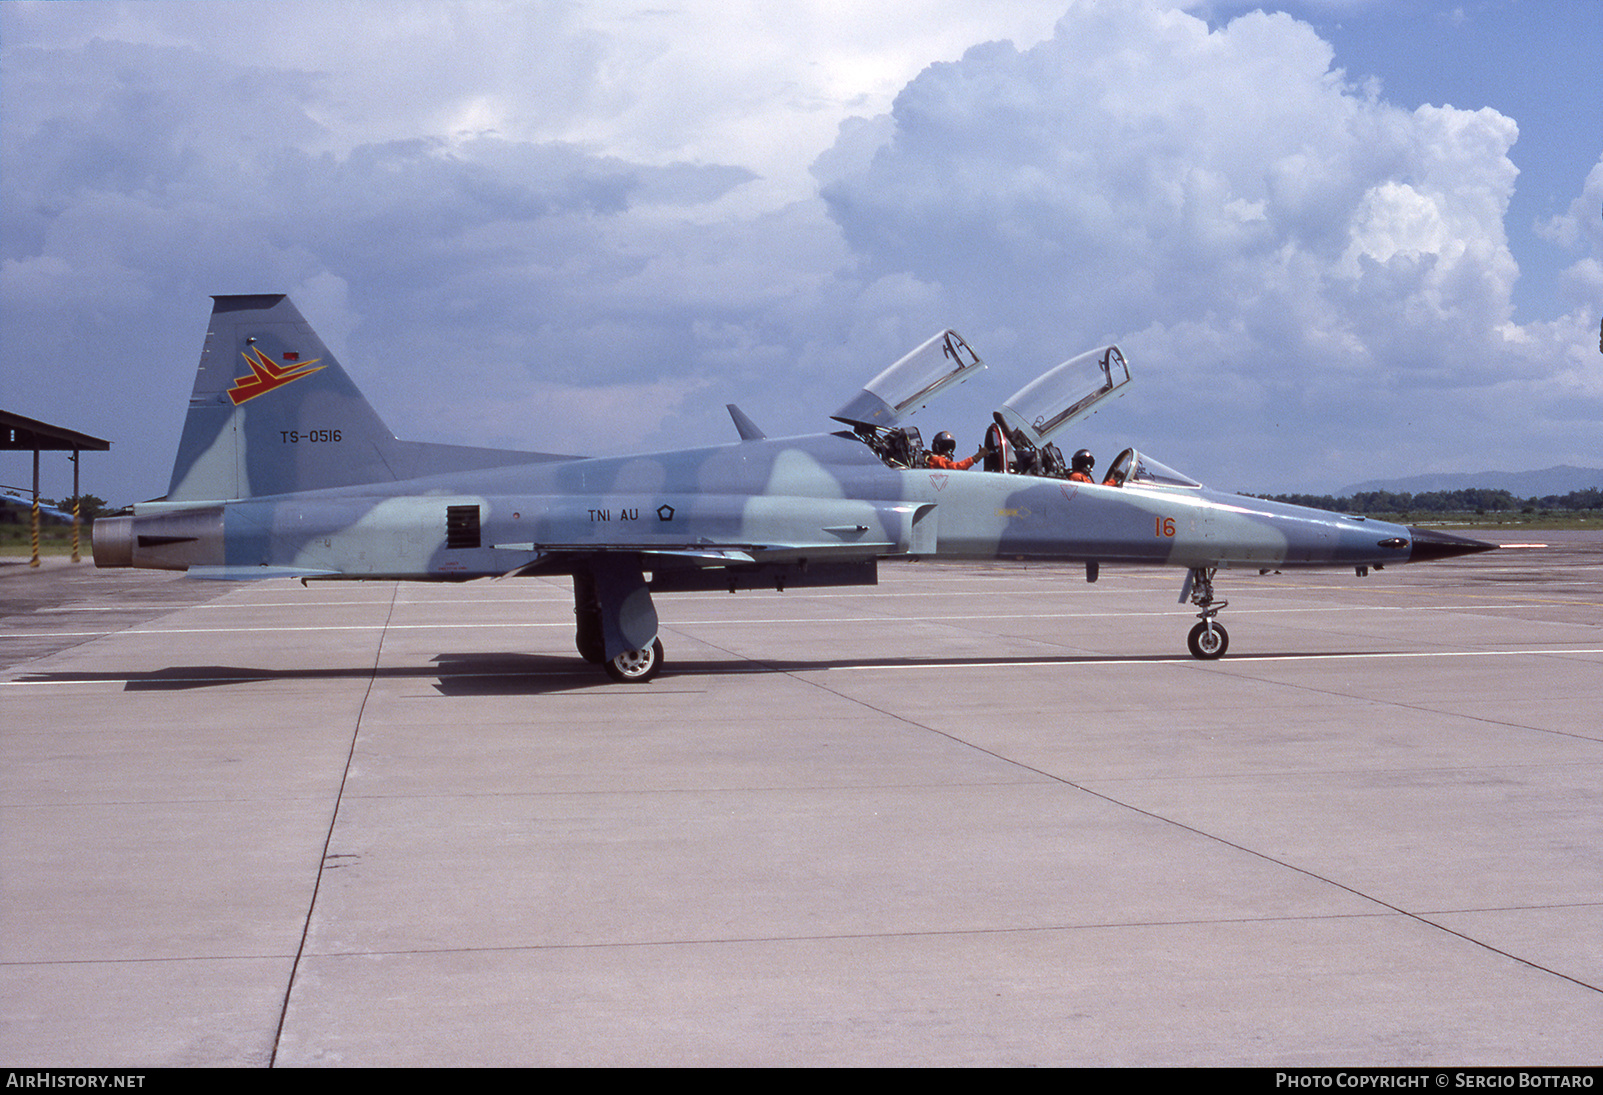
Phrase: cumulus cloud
pixel 152 175
pixel 1580 228
pixel 1280 249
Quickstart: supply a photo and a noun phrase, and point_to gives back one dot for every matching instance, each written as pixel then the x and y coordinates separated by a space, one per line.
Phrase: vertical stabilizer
pixel 272 411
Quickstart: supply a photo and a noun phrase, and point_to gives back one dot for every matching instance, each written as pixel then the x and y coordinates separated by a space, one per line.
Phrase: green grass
pixel 53 540
pixel 1492 521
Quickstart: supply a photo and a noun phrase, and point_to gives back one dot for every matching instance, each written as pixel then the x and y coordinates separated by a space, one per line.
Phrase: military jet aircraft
pixel 284 469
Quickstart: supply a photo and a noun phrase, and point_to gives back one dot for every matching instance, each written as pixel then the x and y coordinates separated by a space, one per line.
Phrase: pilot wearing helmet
pixel 941 450
pixel 1082 464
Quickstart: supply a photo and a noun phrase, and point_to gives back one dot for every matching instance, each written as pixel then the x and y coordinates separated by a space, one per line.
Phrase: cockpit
pixel 902 447
pixel 1018 440
pixel 1134 469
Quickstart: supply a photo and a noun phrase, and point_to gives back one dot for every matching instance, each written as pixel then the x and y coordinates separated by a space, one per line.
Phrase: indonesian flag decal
pixel 266 374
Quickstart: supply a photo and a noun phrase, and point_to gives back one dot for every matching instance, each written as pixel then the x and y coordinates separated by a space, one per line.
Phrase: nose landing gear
pixel 1208 640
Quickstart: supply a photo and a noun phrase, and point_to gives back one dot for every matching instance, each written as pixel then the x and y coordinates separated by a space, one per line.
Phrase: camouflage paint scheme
pixel 285 470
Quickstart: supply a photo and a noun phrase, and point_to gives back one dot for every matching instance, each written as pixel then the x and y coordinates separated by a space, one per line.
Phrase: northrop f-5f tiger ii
pixel 284 469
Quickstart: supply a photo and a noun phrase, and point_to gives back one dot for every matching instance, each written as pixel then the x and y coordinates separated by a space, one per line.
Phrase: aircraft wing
pixel 548 555
pixel 706 567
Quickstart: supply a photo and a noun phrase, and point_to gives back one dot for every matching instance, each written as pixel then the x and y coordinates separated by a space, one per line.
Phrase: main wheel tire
pixel 1208 642
pixel 636 666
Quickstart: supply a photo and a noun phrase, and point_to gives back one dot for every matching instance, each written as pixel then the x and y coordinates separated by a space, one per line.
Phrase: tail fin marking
pixel 273 412
pixel 263 418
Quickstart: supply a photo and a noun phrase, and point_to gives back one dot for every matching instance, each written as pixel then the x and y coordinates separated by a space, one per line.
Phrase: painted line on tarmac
pixel 689 669
pixel 1087 661
pixel 867 618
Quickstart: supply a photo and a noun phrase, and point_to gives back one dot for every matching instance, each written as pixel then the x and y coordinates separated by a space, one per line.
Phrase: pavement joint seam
pixel 1417 917
pixel 328 839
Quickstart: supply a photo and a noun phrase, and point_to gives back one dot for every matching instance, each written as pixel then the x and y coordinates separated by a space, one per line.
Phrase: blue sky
pixel 1338 240
pixel 1535 61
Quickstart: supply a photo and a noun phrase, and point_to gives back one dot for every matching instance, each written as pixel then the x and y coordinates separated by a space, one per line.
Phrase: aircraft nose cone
pixel 1430 544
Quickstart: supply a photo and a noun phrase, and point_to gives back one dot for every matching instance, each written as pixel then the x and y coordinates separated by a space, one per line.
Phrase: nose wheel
pixel 1208 640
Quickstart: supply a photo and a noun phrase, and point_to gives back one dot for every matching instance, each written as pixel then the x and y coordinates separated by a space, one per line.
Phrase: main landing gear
pixel 1208 640
pixel 636 666
pixel 620 591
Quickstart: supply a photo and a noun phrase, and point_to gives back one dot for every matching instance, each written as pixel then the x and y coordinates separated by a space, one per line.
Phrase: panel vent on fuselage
pixel 461 526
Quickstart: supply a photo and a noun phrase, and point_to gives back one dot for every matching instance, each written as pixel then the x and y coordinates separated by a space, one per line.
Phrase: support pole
pixel 75 556
pixel 34 523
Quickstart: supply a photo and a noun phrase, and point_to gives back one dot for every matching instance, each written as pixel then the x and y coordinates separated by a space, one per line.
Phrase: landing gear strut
pixel 613 615
pixel 588 634
pixel 1208 640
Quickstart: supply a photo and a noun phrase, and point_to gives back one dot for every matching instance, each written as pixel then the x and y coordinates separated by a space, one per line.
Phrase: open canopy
pixel 912 382
pixel 1066 394
pixel 1131 468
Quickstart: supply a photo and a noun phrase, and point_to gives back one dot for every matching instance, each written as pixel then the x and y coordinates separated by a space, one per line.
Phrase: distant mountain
pixel 1521 484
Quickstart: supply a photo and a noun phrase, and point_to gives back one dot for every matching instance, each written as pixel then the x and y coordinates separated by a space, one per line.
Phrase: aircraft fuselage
pixel 819 497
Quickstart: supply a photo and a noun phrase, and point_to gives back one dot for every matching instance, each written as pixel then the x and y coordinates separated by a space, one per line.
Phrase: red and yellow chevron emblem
pixel 266 374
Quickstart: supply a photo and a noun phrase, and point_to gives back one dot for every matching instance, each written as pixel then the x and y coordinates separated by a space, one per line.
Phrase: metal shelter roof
pixel 17 432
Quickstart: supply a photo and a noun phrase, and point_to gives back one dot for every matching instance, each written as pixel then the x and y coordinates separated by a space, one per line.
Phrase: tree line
pixel 15 510
pixel 1468 500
